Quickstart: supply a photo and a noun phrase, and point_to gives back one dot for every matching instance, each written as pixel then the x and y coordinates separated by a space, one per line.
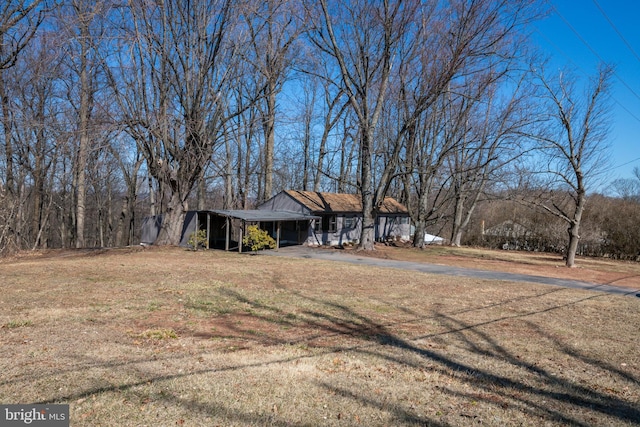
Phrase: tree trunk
pixel 8 146
pixel 574 239
pixel 152 197
pixel 456 232
pixel 574 226
pixel 322 151
pixel 202 192
pixel 8 231
pixel 83 148
pixel 269 142
pixel 121 232
pixel 229 196
pixel 368 235
pixel 307 151
pixel 418 237
pixel 172 221
pixel 423 212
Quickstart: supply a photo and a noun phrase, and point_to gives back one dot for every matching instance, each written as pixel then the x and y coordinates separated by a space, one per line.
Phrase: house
pixel 508 229
pixel 292 218
pixel 511 235
pixel 339 216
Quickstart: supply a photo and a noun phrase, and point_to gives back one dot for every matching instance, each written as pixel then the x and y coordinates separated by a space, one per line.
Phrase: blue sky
pixel 581 33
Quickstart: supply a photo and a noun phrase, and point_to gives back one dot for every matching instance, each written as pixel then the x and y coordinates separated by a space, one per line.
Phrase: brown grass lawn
pixel 165 337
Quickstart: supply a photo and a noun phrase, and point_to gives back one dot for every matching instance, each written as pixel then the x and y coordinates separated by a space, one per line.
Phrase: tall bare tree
pixel 362 38
pixel 242 149
pixel 81 24
pixel 274 27
pixel 19 21
pixel 493 137
pixel 465 47
pixel 172 85
pixel 37 135
pixel 573 146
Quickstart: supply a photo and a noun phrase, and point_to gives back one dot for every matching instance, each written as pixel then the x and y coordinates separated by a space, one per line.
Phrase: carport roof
pixel 264 215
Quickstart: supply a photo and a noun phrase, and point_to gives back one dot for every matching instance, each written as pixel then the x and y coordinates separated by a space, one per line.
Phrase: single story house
pixel 292 218
pixel 340 216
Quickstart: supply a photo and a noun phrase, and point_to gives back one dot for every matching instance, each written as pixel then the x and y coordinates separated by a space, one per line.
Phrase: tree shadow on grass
pixel 338 319
pixel 535 391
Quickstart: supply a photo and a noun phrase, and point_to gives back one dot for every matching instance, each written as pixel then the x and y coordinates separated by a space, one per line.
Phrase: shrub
pixel 258 239
pixel 197 239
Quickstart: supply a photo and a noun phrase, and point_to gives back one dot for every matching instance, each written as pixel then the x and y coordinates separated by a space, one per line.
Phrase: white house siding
pixel 341 236
pixel 388 226
pixel 393 226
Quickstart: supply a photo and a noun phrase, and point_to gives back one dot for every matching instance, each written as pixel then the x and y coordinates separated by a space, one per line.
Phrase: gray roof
pixel 264 215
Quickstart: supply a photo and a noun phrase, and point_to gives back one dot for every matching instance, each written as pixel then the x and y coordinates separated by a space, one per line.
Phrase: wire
pixel 584 72
pixel 593 51
pixel 616 30
pixel 623 164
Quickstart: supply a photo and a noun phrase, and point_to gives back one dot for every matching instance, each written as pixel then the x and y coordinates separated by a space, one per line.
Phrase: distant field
pixel 165 336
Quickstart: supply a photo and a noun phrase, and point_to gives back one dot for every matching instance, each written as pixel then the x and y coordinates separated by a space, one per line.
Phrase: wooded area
pixel 112 111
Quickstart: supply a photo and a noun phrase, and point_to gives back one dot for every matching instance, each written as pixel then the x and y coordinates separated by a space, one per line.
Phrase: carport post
pixel 240 242
pixel 226 230
pixel 195 235
pixel 208 228
pixel 278 235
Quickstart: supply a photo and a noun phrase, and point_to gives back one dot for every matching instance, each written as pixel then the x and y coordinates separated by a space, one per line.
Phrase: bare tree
pixel 242 150
pixel 626 188
pixel 274 28
pixel 172 85
pixel 362 38
pixel 465 48
pixel 492 139
pixel 130 161
pixel 81 24
pixel 19 21
pixel 573 146
pixel 37 135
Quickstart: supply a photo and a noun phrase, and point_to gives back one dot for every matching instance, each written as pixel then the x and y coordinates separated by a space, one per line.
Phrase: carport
pixel 277 218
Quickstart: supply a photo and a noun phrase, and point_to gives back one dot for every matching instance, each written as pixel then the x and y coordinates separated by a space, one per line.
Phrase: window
pixel 327 224
pixel 350 222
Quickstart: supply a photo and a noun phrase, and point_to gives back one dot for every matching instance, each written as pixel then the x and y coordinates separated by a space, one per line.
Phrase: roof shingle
pixel 337 202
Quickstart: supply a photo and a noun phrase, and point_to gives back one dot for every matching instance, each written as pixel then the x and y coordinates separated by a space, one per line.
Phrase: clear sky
pixel 581 34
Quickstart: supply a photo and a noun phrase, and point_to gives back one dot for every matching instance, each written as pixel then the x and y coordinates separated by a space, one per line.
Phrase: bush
pixel 258 239
pixel 197 239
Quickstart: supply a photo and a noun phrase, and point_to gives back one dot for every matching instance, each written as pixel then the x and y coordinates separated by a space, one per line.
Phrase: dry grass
pixel 166 337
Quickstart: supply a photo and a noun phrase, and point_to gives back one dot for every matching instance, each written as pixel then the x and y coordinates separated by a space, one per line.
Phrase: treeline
pixel 114 111
pixel 609 228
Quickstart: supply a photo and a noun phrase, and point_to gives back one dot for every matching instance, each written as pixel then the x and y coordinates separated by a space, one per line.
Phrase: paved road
pixel 336 255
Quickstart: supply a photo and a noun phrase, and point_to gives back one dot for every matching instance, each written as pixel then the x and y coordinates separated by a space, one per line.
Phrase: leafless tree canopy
pixel 114 111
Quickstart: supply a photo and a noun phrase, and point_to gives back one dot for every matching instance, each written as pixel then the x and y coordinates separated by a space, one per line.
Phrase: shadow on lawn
pixel 537 392
pixel 550 386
